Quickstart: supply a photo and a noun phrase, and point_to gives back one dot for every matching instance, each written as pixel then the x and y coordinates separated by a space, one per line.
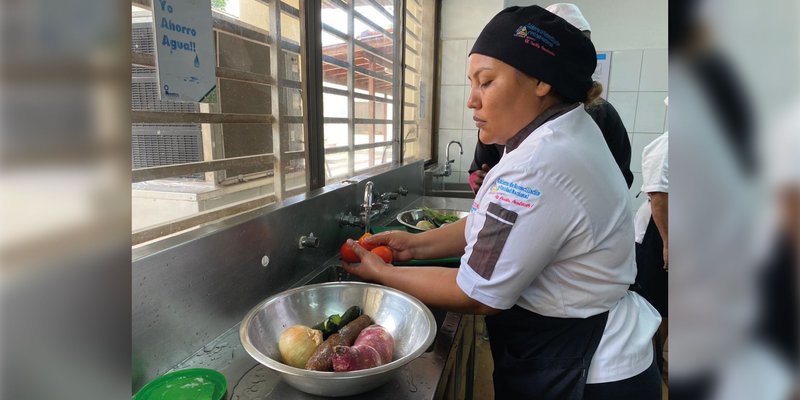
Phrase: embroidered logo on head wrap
pixel 538 38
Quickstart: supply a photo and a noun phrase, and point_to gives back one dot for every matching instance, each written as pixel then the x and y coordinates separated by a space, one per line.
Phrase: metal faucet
pixel 447 169
pixel 367 205
pixel 371 200
pixel 447 151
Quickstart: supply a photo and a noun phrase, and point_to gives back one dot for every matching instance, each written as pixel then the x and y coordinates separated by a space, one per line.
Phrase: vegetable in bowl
pixel 425 225
pixel 438 218
pixel 425 218
pixel 410 323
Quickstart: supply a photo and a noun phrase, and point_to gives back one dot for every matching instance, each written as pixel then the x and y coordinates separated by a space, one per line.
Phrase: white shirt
pixel 655 178
pixel 715 229
pixel 569 250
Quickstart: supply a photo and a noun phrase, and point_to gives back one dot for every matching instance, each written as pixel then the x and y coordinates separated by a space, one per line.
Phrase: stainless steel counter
pixel 247 379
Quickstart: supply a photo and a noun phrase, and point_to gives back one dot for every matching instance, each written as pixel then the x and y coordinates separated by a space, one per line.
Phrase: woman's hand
pixel 434 286
pixel 476 178
pixel 445 241
pixel 400 242
pixel 370 265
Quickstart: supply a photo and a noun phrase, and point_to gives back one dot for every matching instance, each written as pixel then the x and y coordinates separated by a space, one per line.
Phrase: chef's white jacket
pixel 551 231
pixel 655 178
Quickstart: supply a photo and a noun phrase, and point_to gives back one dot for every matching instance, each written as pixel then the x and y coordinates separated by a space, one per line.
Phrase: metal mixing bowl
pixel 410 323
pixel 411 217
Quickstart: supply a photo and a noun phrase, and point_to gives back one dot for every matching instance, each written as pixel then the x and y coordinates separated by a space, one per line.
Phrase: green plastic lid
pixel 186 384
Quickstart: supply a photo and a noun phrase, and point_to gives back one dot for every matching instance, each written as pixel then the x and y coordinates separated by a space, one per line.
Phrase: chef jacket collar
pixel 553 112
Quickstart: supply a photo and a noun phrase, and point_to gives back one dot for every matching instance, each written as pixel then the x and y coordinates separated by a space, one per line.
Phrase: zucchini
pixel 329 326
pixel 333 323
pixel 349 315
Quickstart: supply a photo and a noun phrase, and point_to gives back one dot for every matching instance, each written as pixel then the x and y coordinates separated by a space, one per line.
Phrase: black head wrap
pixel 542 45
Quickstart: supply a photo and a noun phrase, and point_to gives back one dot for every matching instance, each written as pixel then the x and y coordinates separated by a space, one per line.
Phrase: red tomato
pixel 363 242
pixel 384 252
pixel 348 254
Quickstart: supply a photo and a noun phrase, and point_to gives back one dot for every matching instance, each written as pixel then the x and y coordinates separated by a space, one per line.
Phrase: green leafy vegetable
pixel 437 217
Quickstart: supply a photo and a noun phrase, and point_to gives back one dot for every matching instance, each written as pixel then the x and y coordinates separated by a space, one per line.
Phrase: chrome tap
pixel 447 151
pixel 367 205
pixel 447 169
pixel 373 205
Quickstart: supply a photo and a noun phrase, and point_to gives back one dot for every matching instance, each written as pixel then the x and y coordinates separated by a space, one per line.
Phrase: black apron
pixel 538 357
pixel 651 277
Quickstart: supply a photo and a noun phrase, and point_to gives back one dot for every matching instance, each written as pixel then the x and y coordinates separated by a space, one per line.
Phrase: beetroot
pixel 377 338
pixel 373 347
pixel 321 359
pixel 354 358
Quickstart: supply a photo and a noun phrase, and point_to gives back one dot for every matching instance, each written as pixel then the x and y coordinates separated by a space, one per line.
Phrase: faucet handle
pixel 349 219
pixel 401 191
pixel 308 241
pixel 389 196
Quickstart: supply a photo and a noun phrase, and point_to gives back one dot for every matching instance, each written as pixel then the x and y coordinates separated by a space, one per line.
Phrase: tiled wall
pixel 462 22
pixel 637 88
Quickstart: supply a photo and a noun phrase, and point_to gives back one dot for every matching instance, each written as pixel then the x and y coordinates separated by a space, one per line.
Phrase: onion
pixel 297 343
pixel 425 225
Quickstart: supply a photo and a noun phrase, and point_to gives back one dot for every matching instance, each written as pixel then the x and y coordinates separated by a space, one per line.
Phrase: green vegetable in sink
pixel 437 217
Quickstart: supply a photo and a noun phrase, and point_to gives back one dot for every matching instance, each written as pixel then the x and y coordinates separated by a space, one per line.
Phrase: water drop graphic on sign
pixel 196 62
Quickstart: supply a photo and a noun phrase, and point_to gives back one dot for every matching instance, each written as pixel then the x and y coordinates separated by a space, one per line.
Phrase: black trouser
pixel 542 358
pixel 645 386
pixel 651 279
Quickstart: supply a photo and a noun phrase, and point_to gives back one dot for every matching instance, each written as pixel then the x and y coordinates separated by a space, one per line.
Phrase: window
pixel 245 145
pixel 359 85
pixel 418 79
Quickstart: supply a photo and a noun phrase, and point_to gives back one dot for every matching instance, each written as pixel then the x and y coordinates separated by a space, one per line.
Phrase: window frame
pixel 350 93
pixel 309 15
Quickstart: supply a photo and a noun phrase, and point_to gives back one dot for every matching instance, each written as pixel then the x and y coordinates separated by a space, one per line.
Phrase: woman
pixel 547 250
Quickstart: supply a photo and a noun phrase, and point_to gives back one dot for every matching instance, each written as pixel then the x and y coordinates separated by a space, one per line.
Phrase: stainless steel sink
pixel 336 273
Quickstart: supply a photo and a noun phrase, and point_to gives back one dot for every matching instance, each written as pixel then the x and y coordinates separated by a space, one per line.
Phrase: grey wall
pixel 187 294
